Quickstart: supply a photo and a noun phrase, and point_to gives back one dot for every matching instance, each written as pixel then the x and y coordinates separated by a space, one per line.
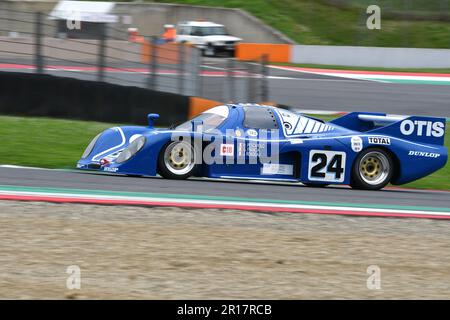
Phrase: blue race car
pixel 249 141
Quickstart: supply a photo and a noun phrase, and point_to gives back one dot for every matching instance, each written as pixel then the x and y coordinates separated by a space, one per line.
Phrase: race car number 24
pixel 328 166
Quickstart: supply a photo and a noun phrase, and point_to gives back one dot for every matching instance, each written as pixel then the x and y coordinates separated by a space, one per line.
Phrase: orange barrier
pixel 198 105
pixel 254 51
pixel 165 53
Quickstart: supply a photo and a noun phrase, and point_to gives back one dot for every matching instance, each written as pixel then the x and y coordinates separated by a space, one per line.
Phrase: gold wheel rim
pixel 371 167
pixel 178 157
pixel 374 168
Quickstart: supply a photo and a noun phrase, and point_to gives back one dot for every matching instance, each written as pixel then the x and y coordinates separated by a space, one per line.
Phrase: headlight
pixel 131 150
pixel 90 146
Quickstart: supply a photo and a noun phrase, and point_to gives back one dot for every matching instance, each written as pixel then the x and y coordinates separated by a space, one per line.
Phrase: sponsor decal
pixel 379 140
pixel 296 141
pixel 238 133
pixel 296 124
pixel 241 149
pixel 109 169
pixel 422 128
pixel 275 168
pixel 287 125
pixel 254 149
pixel 252 133
pixel 226 149
pixel 424 154
pixel 357 143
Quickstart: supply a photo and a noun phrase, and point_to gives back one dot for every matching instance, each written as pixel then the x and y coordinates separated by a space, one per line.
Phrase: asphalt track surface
pixel 244 189
pixel 298 89
pixel 321 92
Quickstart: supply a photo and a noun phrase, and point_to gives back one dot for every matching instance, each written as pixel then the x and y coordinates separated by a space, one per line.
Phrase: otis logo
pixel 422 128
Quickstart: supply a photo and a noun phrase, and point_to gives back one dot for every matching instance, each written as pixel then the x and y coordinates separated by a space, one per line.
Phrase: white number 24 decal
pixel 326 166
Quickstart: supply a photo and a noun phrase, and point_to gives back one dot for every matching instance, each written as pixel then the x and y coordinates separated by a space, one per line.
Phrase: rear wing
pixel 428 130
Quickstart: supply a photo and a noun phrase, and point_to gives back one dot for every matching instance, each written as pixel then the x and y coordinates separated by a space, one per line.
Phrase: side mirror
pixel 151 117
pixel 197 125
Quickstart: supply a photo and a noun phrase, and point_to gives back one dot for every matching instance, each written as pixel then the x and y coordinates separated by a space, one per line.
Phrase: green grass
pixel 43 142
pixel 328 66
pixel 53 143
pixel 420 9
pixel 325 22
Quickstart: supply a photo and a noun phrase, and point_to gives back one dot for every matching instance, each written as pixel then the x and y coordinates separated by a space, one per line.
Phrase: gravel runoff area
pixel 172 253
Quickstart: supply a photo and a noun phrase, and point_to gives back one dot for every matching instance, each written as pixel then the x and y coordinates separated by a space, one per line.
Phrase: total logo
pixel 422 128
pixel 379 140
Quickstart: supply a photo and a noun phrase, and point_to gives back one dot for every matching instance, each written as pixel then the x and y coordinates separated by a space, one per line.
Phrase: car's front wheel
pixel 177 160
pixel 372 170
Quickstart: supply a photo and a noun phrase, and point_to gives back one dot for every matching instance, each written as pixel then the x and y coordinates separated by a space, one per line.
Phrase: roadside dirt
pixel 172 253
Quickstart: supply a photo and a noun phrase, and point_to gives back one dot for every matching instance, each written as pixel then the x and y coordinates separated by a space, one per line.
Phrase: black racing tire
pixel 372 169
pixel 176 160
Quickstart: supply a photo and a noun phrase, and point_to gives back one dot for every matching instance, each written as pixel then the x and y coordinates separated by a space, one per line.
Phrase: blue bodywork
pixel 416 145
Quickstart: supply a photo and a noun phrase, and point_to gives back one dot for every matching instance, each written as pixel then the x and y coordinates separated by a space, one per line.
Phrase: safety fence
pixel 101 54
pixel 105 53
pixel 231 80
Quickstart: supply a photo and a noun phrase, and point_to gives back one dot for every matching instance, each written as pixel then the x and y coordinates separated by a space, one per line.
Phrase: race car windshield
pixel 211 119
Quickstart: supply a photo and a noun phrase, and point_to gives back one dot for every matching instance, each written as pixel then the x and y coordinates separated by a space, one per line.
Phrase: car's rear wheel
pixel 177 160
pixel 372 169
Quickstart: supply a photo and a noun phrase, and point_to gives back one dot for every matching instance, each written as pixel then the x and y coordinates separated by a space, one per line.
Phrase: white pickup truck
pixel 212 38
